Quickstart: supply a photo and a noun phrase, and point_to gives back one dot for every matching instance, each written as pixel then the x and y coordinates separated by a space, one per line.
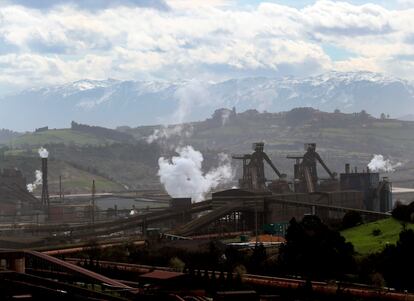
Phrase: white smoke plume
pixel 38 181
pixel 225 116
pixel 192 94
pixel 379 163
pixel 182 176
pixel 166 132
pixel 43 153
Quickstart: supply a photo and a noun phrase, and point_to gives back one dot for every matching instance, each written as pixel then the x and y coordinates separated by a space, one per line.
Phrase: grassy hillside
pixel 365 242
pixel 340 138
pixel 74 179
pixel 113 166
pixel 65 136
pixel 335 133
pixel 7 135
pixel 125 157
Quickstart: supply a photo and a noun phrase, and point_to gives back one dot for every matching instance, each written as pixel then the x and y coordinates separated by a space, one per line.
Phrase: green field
pixel 365 242
pixel 115 159
pixel 65 136
pixel 74 179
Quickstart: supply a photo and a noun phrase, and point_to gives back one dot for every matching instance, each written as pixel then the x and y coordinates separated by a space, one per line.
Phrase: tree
pixel 403 212
pixel 315 251
pixel 177 264
pixel 363 115
pixel 397 262
pixel 383 117
pixel 351 219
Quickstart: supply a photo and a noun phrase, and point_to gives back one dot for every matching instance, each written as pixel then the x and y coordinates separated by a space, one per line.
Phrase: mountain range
pixel 113 102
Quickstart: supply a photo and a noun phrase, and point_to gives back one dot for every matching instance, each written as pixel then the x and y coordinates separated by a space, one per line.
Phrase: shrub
pixel 177 264
pixel 376 232
pixel 351 219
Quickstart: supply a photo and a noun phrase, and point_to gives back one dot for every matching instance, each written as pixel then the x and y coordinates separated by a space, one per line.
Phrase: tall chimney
pixel 93 201
pixel 45 186
pixel 347 168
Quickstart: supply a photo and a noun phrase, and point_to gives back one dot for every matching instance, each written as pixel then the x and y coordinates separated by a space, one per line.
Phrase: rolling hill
pixel 74 179
pixel 125 157
pixel 366 242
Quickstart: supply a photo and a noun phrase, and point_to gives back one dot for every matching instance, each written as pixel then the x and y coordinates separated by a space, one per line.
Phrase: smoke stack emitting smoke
pixel 378 163
pixel 182 176
pixel 43 153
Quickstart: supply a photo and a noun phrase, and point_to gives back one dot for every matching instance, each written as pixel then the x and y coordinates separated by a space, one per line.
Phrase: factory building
pixel 262 201
pixel 377 193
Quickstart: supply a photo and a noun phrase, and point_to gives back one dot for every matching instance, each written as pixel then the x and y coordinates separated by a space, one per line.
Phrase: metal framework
pixel 253 168
pixel 305 170
pixel 45 186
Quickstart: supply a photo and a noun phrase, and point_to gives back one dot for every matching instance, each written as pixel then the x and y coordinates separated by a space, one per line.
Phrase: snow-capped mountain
pixel 114 102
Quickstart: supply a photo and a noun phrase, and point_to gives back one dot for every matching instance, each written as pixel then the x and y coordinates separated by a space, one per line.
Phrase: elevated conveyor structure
pixel 203 221
pixel 265 206
pixel 47 267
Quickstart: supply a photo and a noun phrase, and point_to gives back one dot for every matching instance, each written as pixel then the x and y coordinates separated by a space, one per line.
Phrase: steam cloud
pixel 167 132
pixel 378 163
pixel 38 181
pixel 182 175
pixel 225 116
pixel 190 95
pixel 43 153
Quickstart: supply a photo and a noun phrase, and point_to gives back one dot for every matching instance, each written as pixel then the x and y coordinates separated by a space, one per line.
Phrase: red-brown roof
pixel 268 238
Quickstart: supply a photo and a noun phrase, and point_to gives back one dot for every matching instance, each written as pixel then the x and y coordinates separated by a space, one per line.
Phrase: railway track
pixel 318 287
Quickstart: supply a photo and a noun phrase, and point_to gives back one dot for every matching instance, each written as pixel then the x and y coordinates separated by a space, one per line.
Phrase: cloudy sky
pixel 46 42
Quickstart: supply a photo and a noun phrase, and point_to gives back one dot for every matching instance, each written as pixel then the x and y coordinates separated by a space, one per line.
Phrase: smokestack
pixel 93 202
pixel 45 188
pixel 60 188
pixel 347 168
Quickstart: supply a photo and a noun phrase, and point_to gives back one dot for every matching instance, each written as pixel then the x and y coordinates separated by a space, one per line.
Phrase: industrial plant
pixel 264 202
pixel 207 150
pixel 267 198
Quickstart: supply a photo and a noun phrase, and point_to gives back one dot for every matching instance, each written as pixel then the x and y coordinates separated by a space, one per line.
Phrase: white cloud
pixel 340 18
pixel 199 39
pixel 406 3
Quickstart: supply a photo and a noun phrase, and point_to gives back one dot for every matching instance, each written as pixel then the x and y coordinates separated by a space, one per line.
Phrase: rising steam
pixel 43 153
pixel 166 132
pixel 182 175
pixel 379 163
pixel 38 181
pixel 189 96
